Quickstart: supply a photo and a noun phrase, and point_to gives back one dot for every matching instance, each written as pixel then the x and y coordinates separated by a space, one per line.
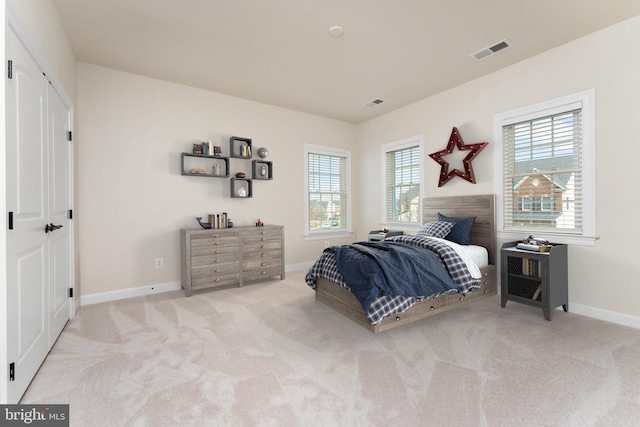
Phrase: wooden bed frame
pixel 483 233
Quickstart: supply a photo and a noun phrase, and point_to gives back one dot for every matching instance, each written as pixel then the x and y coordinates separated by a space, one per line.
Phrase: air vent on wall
pixel 488 51
pixel 376 101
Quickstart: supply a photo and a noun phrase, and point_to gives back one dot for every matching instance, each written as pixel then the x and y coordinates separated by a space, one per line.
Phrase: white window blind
pixel 403 177
pixel 543 173
pixel 327 191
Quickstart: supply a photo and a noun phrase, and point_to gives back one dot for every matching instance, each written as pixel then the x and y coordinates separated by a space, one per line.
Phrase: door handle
pixel 51 227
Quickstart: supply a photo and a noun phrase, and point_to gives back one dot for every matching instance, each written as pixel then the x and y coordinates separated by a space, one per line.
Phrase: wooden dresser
pixel 230 256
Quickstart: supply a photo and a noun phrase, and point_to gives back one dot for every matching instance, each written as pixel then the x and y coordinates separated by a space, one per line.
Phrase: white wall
pixel 134 200
pixel 603 278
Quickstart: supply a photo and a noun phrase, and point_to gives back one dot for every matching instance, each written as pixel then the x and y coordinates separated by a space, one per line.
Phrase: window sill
pixel 328 235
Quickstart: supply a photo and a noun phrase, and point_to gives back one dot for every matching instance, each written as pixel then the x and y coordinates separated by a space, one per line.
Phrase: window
pixel 402 163
pixel 327 179
pixel 548 167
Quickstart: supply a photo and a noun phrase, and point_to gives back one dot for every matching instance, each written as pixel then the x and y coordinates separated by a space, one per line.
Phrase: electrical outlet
pixel 159 262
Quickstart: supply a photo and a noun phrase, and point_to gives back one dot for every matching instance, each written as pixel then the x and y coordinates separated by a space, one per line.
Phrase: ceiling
pixel 280 52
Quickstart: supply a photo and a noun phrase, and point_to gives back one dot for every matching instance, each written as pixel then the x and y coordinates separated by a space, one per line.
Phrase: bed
pixel 389 311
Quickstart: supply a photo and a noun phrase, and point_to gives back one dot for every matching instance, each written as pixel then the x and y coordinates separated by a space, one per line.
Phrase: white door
pixel 33 274
pixel 59 124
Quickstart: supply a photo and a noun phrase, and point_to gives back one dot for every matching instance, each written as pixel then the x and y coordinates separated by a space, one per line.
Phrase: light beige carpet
pixel 269 355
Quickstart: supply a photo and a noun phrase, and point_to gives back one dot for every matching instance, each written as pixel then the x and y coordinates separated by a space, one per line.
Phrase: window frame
pixel 586 102
pixel 405 143
pixel 335 152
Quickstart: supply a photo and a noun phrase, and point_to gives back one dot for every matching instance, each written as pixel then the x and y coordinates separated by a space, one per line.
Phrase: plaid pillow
pixel 437 229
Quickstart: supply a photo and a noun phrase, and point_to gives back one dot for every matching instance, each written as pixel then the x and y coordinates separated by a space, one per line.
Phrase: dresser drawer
pixel 253 264
pixel 228 248
pixel 212 260
pixel 219 280
pixel 260 234
pixel 209 270
pixel 262 273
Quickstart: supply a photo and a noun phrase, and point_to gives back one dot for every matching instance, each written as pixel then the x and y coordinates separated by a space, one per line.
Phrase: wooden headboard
pixel 483 232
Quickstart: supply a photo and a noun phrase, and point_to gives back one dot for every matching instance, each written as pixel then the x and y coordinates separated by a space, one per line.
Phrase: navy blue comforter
pixel 375 269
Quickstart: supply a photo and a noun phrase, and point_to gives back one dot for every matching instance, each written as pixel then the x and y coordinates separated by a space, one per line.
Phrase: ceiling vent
pixel 488 51
pixel 374 102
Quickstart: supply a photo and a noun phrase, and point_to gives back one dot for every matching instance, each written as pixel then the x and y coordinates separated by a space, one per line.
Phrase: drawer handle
pixel 397 318
pixel 461 298
pixel 217 280
pixel 215 235
pixel 216 243
pixel 216 251
pixel 216 270
pixel 261 246
pixel 216 261
pixel 262 232
pixel 485 273
pixel 263 264
pixel 264 272
pixel 263 239
pixel 263 255
pixel 485 291
pixel 432 308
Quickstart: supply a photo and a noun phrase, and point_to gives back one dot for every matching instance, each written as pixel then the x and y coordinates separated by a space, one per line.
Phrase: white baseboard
pixel 606 315
pixel 129 293
pixel 154 289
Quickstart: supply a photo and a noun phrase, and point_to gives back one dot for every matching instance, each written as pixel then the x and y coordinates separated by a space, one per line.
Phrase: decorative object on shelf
pixel 216 169
pixel 230 223
pixel 263 152
pixel 262 170
pixel 217 151
pixel 240 147
pixel 259 223
pixel 456 139
pixel 197 171
pixel 241 187
pixel 192 165
pixel 198 149
pixel 204 225
pixel 241 175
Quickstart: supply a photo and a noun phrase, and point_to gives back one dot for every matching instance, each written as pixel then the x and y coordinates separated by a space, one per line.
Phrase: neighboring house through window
pixel 403 166
pixel 547 180
pixel 328 186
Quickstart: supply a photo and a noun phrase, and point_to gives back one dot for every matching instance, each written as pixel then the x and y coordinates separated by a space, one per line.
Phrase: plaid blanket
pixel 388 305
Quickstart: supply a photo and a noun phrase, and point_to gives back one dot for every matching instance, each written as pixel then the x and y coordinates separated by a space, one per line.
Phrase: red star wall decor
pixel 474 150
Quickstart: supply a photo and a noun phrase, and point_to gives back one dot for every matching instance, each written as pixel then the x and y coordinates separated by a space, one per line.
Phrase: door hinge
pixel 10 69
pixel 10 220
pixel 12 371
pixel 70 135
pixel 70 213
pixel 70 292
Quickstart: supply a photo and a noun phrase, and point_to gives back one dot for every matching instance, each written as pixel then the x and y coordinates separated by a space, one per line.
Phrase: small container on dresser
pixel 539 279
pixel 230 256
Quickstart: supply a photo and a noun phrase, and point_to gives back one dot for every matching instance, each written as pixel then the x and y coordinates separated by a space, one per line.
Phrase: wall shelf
pixel 240 147
pixel 204 162
pixel 237 184
pixel 262 170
